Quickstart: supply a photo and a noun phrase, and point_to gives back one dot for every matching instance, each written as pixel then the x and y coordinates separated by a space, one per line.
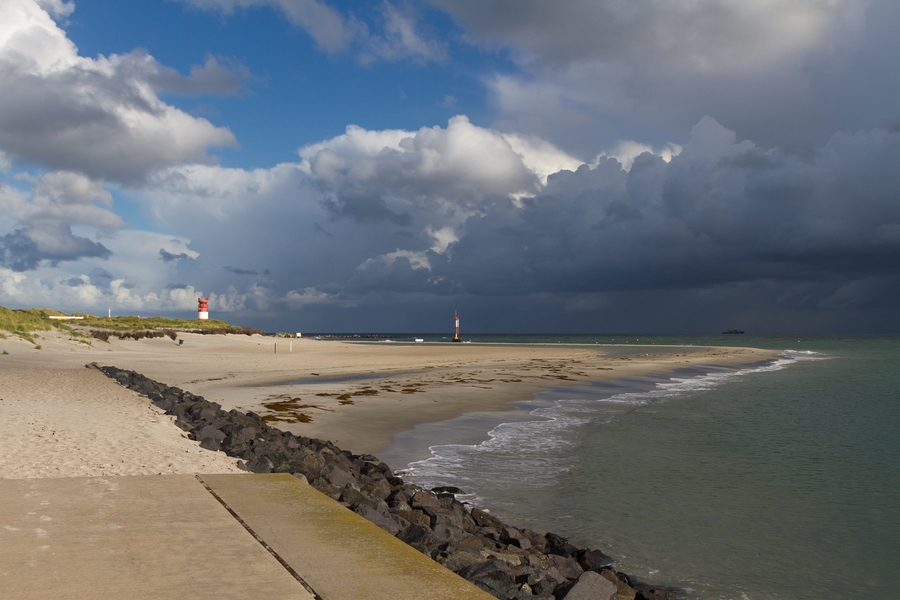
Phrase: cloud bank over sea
pixel 624 181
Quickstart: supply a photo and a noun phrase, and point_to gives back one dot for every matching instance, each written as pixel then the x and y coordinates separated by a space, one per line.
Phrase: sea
pixel 775 480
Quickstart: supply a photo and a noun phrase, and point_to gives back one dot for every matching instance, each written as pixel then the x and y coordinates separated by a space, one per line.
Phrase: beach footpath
pixel 204 536
pixel 100 500
pixel 102 497
pixel 506 562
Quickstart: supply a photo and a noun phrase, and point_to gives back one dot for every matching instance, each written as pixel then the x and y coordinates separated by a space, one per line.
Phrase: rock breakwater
pixel 507 562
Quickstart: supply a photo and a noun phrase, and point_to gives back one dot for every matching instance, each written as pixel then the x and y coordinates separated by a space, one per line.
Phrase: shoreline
pixel 753 575
pixel 506 562
pixel 360 395
pixel 363 394
pixel 374 421
pixel 474 428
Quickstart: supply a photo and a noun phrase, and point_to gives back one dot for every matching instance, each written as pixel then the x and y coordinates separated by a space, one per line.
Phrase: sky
pixel 592 166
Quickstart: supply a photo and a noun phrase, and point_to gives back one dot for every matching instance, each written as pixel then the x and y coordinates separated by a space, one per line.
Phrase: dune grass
pixel 131 323
pixel 27 322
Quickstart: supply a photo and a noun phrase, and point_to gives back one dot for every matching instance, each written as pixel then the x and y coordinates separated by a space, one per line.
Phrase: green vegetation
pixel 136 328
pixel 25 322
pixel 154 324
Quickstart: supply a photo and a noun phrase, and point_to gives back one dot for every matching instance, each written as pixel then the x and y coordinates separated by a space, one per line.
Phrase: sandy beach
pixel 60 419
pixel 78 423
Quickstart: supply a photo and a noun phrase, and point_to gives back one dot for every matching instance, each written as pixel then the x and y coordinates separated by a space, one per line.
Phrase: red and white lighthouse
pixel 202 308
pixel 456 337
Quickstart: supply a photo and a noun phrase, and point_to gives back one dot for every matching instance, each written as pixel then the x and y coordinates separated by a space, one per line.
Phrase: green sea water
pixel 776 481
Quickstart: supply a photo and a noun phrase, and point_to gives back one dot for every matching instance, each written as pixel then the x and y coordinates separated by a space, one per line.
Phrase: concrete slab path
pixel 210 536
pixel 337 552
pixel 135 537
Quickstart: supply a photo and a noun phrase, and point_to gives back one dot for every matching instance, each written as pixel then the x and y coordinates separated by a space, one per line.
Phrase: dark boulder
pixel 423 499
pixel 445 530
pixel 447 489
pixel 556 544
pixel 494 577
pixel 564 566
pixel 483 519
pixel 419 537
pixel 646 591
pixel 353 497
pixel 505 561
pixel 379 519
pixel 339 477
pixel 210 432
pixel 591 586
pixel 592 560
pixel 380 488
pixel 419 517
pixel 260 465
pixel 623 589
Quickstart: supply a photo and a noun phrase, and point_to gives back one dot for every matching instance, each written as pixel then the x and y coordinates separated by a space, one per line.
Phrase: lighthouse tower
pixel 202 308
pixel 456 337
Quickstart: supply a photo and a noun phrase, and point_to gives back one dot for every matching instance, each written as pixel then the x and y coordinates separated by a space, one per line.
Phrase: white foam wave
pixel 536 448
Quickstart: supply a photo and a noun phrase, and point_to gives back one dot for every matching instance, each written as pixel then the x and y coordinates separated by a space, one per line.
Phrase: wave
pixel 539 448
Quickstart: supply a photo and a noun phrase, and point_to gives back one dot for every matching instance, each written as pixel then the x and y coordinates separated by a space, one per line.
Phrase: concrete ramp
pixel 147 536
pixel 337 552
pixel 212 536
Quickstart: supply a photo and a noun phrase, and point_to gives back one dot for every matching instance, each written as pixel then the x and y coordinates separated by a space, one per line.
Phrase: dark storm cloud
pixel 591 73
pixel 169 257
pixel 673 33
pixel 727 232
pixel 44 222
pixel 100 278
pixel 721 213
pixel 18 252
pixel 399 274
pixel 240 271
pixel 25 250
pixel 364 205
pixel 319 229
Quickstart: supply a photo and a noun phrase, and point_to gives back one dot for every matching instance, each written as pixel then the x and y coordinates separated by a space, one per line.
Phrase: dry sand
pixel 59 419
pixel 80 423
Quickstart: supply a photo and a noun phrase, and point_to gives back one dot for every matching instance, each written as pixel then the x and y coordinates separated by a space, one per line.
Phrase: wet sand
pixel 356 394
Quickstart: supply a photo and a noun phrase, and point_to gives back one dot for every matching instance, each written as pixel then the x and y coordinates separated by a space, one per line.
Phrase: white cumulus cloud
pixel 378 175
pixel 99 116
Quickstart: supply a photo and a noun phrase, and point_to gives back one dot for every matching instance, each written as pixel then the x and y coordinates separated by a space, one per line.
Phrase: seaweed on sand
pixel 288 410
